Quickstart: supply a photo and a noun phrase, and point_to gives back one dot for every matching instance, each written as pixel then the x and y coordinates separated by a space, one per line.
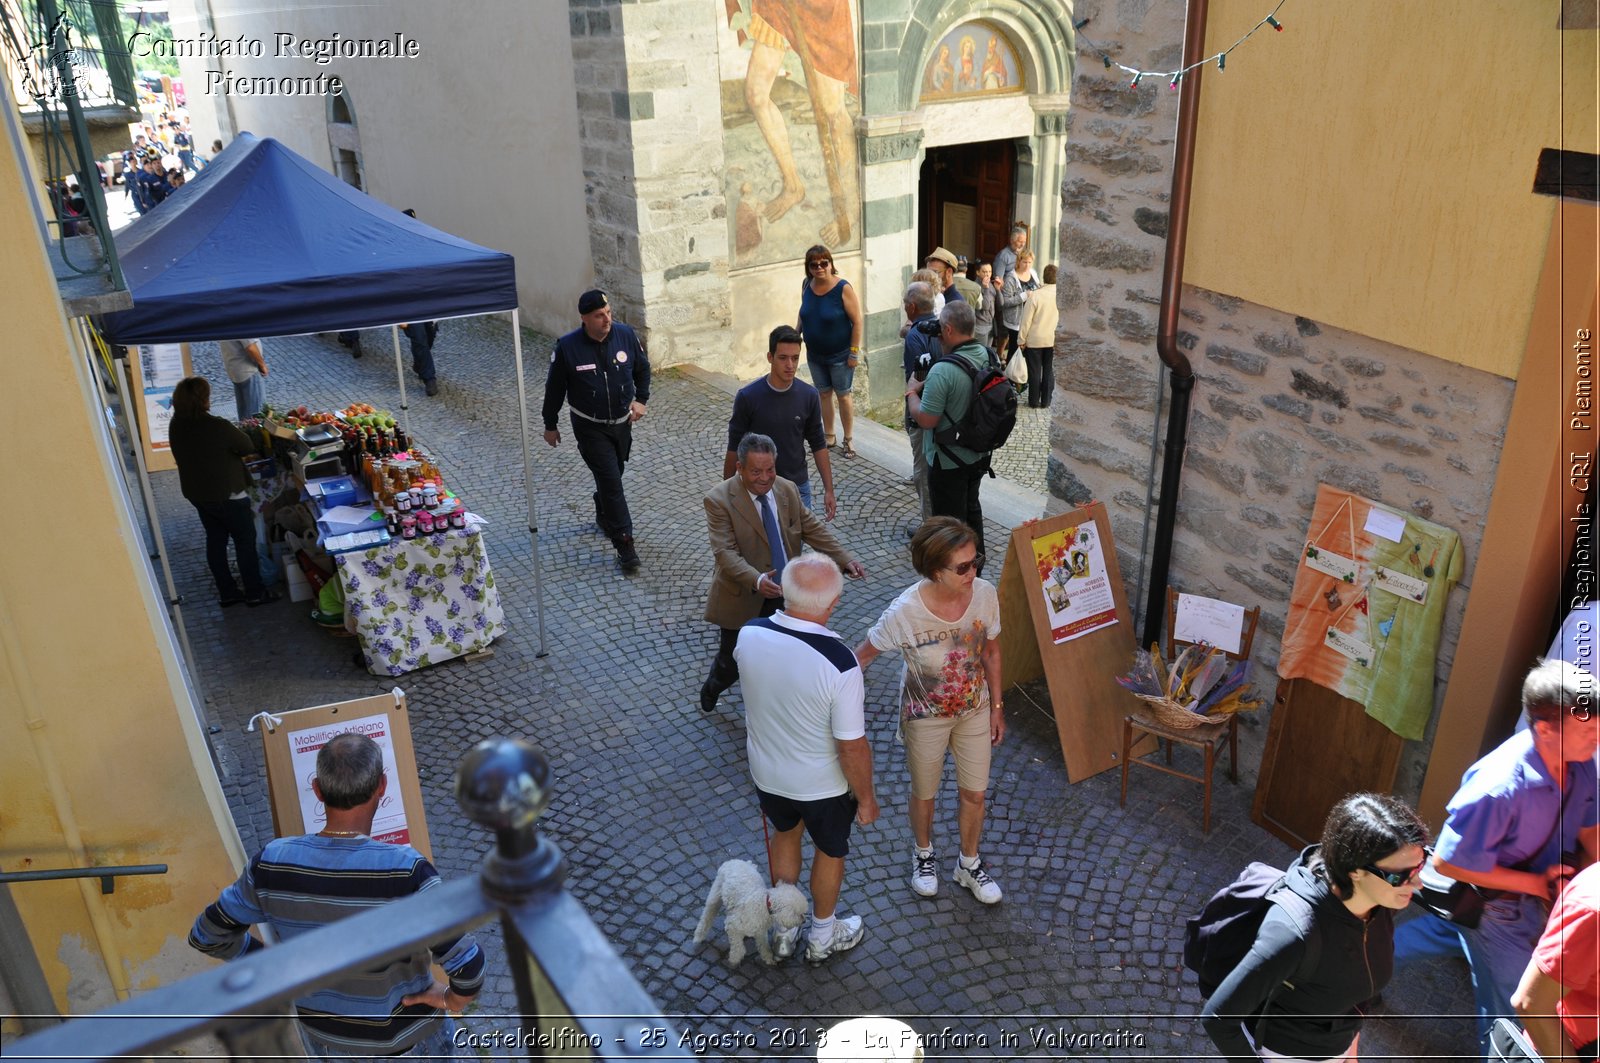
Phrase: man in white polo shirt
pixel 809 757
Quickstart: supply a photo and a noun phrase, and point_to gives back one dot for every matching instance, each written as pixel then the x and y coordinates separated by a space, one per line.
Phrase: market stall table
pixel 416 602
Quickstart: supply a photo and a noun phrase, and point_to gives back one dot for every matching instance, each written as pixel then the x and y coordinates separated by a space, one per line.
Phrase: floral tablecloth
pixel 420 601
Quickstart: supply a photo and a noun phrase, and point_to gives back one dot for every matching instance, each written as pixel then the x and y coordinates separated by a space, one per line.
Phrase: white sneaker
pixel 784 941
pixel 924 873
pixel 847 934
pixel 978 881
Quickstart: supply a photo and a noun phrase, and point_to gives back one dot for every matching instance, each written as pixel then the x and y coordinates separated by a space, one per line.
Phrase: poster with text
pixel 1072 577
pixel 390 823
pixel 161 367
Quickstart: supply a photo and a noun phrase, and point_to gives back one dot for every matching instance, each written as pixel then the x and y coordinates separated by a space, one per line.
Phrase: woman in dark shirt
pixel 830 322
pixel 1365 869
pixel 210 455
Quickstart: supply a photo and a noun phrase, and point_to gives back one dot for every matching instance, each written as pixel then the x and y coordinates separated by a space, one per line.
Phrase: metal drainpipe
pixel 1182 375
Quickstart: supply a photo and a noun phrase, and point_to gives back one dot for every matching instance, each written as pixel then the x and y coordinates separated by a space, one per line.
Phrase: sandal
pixel 848 451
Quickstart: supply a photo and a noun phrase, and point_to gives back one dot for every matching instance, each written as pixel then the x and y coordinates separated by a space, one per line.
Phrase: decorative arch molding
pixel 344 140
pixel 1041 29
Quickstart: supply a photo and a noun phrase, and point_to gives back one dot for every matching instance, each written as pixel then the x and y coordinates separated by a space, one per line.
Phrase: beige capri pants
pixel 965 736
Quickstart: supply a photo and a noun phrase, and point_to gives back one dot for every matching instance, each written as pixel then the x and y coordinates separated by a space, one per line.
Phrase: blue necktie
pixel 769 519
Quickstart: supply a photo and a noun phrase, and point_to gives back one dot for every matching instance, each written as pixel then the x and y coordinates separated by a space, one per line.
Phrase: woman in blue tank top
pixel 830 321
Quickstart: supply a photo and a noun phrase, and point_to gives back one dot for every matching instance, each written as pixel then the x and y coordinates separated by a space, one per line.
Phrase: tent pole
pixel 400 375
pixel 527 474
pixel 174 600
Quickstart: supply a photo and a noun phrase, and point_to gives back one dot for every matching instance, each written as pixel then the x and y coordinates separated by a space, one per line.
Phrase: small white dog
pixel 751 909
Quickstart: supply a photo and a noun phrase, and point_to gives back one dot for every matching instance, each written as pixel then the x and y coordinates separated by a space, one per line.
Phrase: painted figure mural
pixel 999 72
pixel 800 88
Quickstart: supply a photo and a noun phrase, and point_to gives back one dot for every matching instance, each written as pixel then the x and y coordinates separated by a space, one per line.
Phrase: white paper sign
pixel 1408 587
pixel 161 367
pixel 1326 561
pixel 390 823
pixel 1382 523
pixel 1352 647
pixel 1216 623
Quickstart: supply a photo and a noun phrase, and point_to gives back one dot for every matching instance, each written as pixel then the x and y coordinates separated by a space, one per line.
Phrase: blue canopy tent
pixel 264 242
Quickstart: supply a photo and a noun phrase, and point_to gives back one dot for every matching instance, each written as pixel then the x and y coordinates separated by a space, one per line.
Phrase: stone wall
pixel 650 115
pixel 1280 404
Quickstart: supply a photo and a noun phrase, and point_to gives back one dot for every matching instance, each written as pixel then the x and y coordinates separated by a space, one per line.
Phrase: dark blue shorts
pixel 833 373
pixel 828 821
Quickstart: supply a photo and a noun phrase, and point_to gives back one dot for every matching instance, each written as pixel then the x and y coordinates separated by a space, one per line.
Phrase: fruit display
pixel 363 415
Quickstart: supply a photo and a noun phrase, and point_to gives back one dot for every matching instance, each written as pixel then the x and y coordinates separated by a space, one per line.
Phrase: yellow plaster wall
pixel 102 760
pixel 1371 167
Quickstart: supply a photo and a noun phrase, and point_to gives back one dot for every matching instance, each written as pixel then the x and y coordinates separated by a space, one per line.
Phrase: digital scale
pixel 318 452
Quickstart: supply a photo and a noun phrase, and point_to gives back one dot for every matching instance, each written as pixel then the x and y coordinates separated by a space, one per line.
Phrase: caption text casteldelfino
pixel 319 50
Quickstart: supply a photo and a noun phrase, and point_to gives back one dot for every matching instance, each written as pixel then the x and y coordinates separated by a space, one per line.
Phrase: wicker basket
pixel 1169 713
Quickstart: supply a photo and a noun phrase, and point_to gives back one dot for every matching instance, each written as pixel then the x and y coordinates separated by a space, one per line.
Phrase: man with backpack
pixel 967 409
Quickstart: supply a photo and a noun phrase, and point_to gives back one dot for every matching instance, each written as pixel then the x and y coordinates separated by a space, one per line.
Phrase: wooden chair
pixel 1206 737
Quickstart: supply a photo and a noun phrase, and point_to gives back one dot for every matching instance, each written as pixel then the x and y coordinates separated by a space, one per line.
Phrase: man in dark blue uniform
pixel 602 370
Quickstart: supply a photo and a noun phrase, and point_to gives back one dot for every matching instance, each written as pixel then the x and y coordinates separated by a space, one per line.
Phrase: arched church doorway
pixel 966 196
pixel 967 201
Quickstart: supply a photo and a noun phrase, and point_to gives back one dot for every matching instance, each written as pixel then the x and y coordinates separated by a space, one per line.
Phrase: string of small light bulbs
pixel 1174 76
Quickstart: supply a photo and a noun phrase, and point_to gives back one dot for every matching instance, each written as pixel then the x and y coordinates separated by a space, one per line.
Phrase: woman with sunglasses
pixel 1363 871
pixel 947 628
pixel 830 322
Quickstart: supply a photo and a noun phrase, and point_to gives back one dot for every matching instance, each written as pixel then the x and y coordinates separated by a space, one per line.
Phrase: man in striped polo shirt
pixel 299 884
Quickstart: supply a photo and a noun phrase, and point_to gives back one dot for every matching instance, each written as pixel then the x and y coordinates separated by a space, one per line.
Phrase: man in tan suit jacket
pixel 746 583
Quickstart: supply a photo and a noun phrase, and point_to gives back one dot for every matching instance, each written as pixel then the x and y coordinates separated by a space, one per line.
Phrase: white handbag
pixel 1017 369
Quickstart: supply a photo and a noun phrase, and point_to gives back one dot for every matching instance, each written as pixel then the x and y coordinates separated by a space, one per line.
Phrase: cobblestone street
pixel 1082 958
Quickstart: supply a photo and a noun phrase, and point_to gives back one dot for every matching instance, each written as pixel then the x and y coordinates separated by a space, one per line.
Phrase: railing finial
pixel 504 784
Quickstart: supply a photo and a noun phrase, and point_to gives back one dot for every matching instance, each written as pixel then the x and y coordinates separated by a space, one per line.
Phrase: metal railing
pixel 106 875
pixel 575 996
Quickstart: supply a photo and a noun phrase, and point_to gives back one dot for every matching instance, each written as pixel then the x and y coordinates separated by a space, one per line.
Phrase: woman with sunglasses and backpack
pixel 1364 870
pixel 947 629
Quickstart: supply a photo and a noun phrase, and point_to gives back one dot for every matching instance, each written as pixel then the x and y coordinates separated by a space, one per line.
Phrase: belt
pixel 601 420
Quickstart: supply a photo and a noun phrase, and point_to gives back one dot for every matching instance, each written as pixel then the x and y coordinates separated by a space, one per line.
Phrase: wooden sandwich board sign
pixel 1063 614
pixel 157 368
pixel 290 741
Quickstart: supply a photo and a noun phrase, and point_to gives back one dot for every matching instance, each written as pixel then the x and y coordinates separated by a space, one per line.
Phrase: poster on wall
pixel 1367 609
pixel 1073 581
pixel 791 93
pixel 390 823
pixel 161 366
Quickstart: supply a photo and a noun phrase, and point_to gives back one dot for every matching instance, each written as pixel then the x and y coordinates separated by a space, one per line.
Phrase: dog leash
pixel 767 837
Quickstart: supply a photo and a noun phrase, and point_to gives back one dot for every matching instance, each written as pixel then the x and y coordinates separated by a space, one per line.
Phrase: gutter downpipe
pixel 1182 375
